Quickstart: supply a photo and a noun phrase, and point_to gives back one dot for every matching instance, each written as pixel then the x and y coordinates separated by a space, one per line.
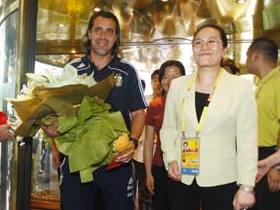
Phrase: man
pixel 101 41
pixel 262 58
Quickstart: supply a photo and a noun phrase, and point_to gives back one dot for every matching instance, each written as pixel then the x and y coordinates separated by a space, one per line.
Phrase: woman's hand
pixel 243 200
pixel 173 171
pixel 150 183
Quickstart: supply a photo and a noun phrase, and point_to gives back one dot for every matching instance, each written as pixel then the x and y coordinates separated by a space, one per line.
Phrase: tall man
pixel 101 41
pixel 262 58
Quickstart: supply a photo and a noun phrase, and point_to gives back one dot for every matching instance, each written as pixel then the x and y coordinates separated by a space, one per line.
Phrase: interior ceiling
pixel 62 23
pixel 141 20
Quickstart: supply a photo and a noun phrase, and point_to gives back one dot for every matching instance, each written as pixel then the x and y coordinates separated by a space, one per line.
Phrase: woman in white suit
pixel 214 114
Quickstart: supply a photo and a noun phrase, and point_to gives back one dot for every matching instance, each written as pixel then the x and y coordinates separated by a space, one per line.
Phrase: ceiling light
pixel 96 9
pixel 164 0
pixel 241 1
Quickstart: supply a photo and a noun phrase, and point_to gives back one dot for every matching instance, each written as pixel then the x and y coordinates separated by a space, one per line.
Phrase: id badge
pixel 190 156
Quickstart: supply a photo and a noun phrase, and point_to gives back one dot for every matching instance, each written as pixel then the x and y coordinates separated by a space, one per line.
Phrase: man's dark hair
pixel 155 72
pixel 87 43
pixel 266 47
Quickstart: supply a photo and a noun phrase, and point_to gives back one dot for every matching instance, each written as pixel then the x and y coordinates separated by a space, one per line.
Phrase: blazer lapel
pixel 217 98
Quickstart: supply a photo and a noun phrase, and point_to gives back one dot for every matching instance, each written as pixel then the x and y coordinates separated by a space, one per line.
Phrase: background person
pixel 143 200
pixel 156 175
pixel 262 58
pixel 216 112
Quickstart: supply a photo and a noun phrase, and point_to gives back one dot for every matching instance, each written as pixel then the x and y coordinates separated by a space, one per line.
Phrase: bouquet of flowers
pixel 86 128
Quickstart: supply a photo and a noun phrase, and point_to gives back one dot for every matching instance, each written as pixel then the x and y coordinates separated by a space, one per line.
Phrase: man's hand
pixel 51 130
pixel 126 155
pixel 273 179
pixel 173 171
pixel 6 133
pixel 55 156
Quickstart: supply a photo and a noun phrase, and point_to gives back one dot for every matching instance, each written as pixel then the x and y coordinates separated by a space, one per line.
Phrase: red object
pixel 154 118
pixel 3 118
pixel 113 164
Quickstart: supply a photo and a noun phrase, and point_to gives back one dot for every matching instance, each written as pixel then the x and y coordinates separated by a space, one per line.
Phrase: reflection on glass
pixel 45 185
pixel 8 58
pixel 45 182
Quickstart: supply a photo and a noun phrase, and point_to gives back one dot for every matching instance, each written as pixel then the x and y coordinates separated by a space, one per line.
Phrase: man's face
pixel 102 35
pixel 156 84
pixel 250 62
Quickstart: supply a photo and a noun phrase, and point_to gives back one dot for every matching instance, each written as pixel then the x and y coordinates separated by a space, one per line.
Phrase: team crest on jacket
pixel 119 79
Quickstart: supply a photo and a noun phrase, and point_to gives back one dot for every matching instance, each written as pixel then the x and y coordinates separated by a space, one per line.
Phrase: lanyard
pixel 190 85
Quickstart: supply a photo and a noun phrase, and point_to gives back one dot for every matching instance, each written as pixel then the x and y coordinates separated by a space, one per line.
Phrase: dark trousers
pixel 266 200
pixel 115 186
pixel 144 196
pixel 194 197
pixel 160 198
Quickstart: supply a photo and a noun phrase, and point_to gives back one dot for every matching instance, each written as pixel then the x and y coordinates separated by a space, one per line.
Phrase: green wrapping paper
pixel 55 100
pixel 88 136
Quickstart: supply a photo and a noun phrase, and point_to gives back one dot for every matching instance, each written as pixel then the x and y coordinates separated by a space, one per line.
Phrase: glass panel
pixel 45 185
pixel 8 58
pixel 6 1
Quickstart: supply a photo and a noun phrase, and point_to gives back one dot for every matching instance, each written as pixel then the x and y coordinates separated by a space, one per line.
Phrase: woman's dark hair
pixel 87 43
pixel 155 72
pixel 168 63
pixel 217 28
pixel 229 64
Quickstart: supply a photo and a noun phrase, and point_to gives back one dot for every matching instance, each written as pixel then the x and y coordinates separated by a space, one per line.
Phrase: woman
pixel 214 112
pixel 155 173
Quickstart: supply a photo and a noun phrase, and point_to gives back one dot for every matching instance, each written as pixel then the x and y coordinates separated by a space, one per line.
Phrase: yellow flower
pixel 121 143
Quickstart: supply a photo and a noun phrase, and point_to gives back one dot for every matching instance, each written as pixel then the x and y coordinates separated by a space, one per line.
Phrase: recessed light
pixel 241 1
pixel 96 9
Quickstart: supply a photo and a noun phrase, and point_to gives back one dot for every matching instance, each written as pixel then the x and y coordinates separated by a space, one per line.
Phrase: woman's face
pixel 170 73
pixel 208 48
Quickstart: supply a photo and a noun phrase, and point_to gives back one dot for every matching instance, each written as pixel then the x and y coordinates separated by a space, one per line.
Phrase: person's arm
pixel 52 133
pixel 266 164
pixel 273 176
pixel 6 132
pixel 148 156
pixel 137 124
pixel 169 133
pixel 246 146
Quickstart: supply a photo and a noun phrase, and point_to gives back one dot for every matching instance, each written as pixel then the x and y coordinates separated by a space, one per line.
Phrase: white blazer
pixel 228 139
